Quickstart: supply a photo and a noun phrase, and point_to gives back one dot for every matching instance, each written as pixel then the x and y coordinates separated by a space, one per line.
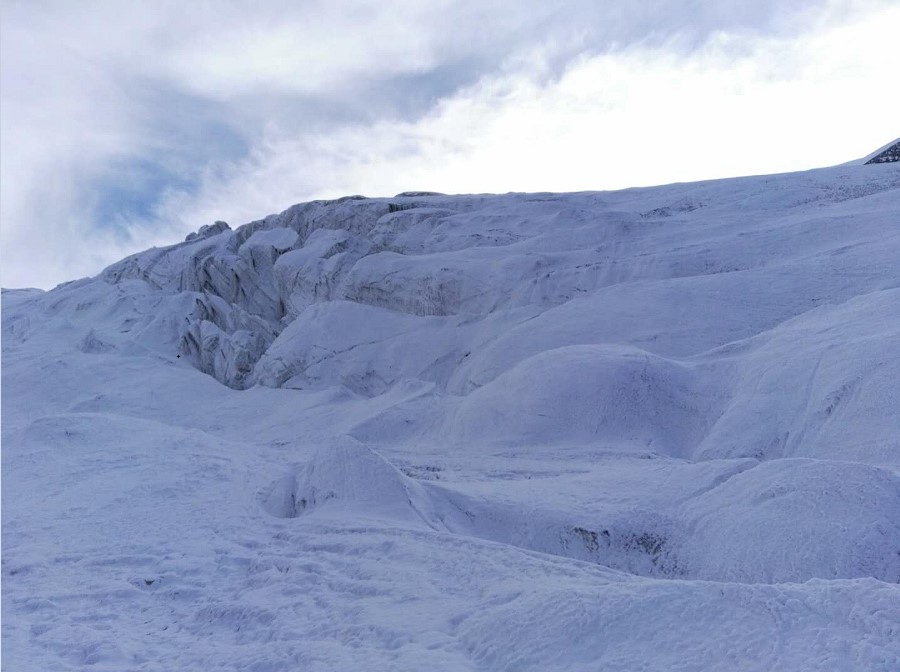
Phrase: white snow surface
pixel 652 429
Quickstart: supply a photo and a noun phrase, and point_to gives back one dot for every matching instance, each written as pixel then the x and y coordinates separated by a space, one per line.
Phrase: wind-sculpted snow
pixel 650 429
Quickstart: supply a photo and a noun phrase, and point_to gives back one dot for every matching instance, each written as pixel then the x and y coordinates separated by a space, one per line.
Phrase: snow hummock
pixel 649 429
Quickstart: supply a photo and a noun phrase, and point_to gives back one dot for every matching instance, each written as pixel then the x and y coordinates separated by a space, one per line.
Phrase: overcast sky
pixel 129 124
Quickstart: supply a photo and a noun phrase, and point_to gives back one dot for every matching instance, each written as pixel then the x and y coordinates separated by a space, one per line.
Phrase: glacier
pixel 649 429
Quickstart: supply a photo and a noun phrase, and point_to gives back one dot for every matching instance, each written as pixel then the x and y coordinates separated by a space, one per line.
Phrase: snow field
pixel 644 430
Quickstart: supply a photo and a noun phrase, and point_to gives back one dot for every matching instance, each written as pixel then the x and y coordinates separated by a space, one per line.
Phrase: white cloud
pixel 639 117
pixel 360 97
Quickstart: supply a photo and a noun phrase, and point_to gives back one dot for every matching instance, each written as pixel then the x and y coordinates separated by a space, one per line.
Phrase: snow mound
pixel 590 393
pixel 816 386
pixel 767 524
pixel 348 479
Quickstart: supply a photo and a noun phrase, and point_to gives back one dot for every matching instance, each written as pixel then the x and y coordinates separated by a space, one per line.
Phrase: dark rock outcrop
pixel 889 155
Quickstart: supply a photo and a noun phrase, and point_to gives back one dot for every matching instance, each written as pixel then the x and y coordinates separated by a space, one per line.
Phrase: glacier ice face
pixel 475 293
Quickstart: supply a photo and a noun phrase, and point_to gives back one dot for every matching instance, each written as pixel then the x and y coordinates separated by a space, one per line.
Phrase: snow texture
pixel 652 429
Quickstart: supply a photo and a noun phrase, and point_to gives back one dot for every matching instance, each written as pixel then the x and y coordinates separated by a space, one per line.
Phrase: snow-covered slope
pixel 649 429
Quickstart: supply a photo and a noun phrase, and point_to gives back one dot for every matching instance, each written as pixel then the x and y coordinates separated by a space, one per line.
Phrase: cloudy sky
pixel 129 124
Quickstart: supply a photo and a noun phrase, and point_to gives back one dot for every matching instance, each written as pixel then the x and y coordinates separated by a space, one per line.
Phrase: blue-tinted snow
pixel 652 429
